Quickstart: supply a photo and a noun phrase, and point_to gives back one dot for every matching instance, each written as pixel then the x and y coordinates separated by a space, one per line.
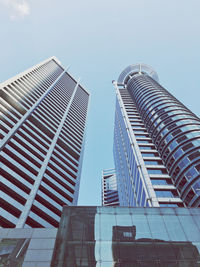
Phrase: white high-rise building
pixel 43 117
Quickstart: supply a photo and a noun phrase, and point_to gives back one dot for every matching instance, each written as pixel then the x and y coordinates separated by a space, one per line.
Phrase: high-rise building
pixel 109 188
pixel 156 143
pixel 43 117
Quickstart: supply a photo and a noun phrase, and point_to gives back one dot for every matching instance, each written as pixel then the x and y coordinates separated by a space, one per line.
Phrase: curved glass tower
pixel 156 144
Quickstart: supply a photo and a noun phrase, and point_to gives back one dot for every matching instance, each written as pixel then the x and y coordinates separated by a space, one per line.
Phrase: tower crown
pixel 137 69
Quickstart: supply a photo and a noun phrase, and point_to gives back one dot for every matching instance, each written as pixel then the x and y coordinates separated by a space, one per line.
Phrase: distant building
pixel 156 143
pixel 43 117
pixel 109 188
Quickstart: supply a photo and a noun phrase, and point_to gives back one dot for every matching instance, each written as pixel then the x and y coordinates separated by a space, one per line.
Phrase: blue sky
pixel 98 39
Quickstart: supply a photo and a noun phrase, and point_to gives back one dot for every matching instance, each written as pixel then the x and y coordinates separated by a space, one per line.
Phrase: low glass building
pixel 108 237
pixel 122 236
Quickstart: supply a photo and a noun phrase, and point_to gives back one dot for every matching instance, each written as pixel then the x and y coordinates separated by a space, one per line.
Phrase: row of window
pixel 18 97
pixel 167 121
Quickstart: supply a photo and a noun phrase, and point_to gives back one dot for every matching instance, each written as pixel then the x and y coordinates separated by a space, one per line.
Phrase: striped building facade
pixel 43 117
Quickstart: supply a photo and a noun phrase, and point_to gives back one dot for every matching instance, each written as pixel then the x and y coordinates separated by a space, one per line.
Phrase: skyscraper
pixel 156 143
pixel 43 117
pixel 109 188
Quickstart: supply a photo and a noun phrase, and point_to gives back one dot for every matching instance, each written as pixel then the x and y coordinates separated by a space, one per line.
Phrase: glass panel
pixel 142 226
pixel 13 251
pixel 174 228
pixel 124 219
pixel 157 227
pixel 190 227
pixel 159 182
pixel 107 223
pixel 103 251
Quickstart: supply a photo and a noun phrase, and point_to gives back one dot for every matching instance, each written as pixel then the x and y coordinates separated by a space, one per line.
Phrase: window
pixel 190 196
pixel 183 163
pixel 163 117
pixel 182 183
pixel 164 194
pixel 127 234
pixel 191 173
pixel 194 155
pixel 137 126
pixel 160 182
pixel 146 147
pixel 182 138
pixel 144 154
pixel 136 122
pixel 168 205
pixel 141 135
pixel 197 167
pixel 176 132
pixel 171 126
pixel 153 162
pixel 139 130
pixel 167 121
pixel 144 141
pixel 190 145
pixel 157 171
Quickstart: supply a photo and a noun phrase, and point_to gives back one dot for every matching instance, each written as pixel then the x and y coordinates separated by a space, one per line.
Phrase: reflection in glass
pixel 129 251
pixel 126 237
pixel 12 252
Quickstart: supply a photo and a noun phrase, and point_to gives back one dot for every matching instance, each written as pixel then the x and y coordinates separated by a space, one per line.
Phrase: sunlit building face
pixel 43 121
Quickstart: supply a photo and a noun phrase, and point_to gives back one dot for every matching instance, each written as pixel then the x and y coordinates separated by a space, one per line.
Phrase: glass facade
pixel 163 137
pixel 12 251
pixel 27 247
pixel 175 131
pixel 128 175
pixel 107 237
pixel 43 117
pixel 122 236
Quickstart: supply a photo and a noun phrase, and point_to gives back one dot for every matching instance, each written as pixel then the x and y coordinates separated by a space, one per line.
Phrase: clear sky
pixel 98 39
